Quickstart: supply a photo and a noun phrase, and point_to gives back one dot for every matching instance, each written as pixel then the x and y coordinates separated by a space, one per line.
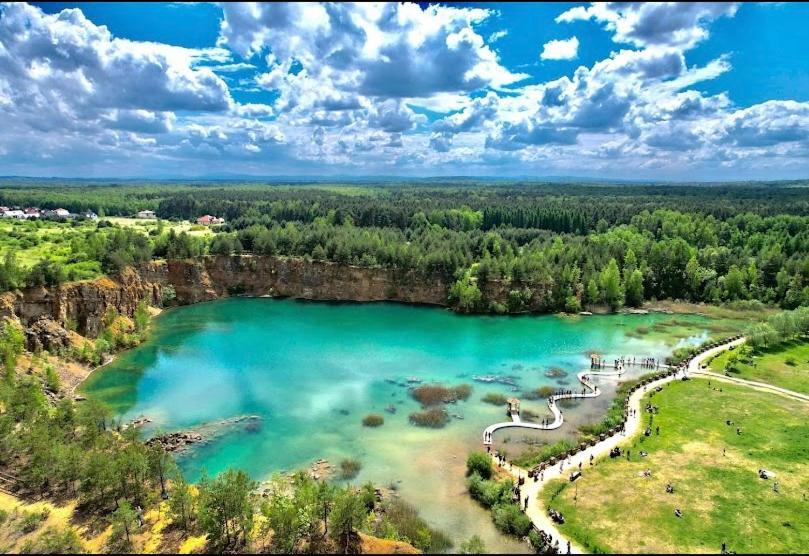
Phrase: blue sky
pixel 706 91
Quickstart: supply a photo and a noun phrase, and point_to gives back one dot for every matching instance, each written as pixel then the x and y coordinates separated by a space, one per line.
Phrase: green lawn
pixel 721 496
pixel 786 366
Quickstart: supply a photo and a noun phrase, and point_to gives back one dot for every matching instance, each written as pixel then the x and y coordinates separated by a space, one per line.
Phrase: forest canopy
pixel 580 244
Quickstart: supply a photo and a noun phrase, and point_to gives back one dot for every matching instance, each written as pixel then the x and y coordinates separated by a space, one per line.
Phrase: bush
pixel 404 519
pixel 52 381
pixel 540 393
pixel 31 521
pixel 509 519
pixel 480 463
pixel 54 541
pixel 489 493
pixel 431 418
pixel 167 295
pixel 373 420
pixel 350 468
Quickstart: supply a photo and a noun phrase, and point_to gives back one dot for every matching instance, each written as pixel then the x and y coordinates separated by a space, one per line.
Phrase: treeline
pixel 68 450
pixel 569 207
pixel 553 248
pixel 779 328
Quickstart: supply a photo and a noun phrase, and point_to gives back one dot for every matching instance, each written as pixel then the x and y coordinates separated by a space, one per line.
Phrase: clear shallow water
pixel 311 371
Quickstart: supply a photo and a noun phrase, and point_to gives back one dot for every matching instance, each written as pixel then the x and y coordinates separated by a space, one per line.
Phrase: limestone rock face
pixel 81 306
pixel 46 334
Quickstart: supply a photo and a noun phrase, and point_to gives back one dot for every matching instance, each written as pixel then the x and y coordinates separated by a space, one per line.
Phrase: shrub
pixel 54 541
pixel 431 418
pixel 373 420
pixel 489 493
pixel 404 519
pixel 480 463
pixel 32 520
pixel 509 519
pixel 52 381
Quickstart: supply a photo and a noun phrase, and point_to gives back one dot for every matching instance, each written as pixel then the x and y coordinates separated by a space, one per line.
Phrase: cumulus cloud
pixel 675 24
pixel 388 50
pixel 377 88
pixel 567 49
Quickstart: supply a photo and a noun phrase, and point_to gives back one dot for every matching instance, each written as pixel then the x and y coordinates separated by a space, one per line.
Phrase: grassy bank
pixel 785 365
pixel 614 508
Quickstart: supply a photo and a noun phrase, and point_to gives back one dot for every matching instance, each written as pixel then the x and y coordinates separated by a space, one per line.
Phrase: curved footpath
pixel 590 390
pixel 531 489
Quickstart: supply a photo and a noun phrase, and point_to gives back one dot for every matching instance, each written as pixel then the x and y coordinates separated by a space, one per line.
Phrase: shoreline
pixel 533 489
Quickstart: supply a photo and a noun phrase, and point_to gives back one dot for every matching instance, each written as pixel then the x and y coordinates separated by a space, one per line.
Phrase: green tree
pixel 634 289
pixel 141 317
pixel 226 508
pixel 52 381
pixel 124 523
pixel 465 294
pixel 346 517
pixel 181 503
pixel 611 285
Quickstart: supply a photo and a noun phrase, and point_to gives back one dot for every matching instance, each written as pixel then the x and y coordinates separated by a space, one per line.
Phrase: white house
pixel 146 214
pixel 14 213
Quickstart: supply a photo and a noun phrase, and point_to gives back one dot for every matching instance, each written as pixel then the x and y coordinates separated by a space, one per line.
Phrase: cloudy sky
pixel 655 91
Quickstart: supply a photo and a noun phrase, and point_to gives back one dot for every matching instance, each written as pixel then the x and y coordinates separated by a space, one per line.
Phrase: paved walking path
pixel 531 489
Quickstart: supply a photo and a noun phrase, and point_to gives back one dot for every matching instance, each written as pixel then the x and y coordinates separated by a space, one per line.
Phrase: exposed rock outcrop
pixel 82 306
pixel 46 334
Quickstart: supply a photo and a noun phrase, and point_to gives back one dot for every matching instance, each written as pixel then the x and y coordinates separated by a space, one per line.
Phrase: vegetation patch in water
pixel 495 398
pixel 435 418
pixel 430 395
pixel 350 468
pixel 540 393
pixel 555 372
pixel 373 420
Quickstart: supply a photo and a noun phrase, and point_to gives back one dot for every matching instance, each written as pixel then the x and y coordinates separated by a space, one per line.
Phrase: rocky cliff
pixel 81 306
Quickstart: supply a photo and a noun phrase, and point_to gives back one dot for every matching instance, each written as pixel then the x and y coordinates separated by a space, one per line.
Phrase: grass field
pixel 786 365
pixel 613 508
pixel 36 240
pixel 148 224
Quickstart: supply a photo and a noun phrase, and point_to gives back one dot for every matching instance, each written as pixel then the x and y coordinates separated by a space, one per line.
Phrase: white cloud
pixel 675 24
pixel 352 84
pixel 567 49
pixel 497 35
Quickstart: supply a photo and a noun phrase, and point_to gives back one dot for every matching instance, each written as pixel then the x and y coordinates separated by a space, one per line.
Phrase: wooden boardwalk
pixel 589 390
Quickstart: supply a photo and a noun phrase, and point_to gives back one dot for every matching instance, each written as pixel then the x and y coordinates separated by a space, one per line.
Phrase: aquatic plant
pixel 432 418
pixel 350 468
pixel 429 395
pixel 555 372
pixel 373 420
pixel 538 393
pixel 494 398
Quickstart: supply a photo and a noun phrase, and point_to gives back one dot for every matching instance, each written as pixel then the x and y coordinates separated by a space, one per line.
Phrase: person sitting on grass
pixel 677 512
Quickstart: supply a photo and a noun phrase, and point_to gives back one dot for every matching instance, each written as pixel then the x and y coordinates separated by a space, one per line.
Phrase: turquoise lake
pixel 312 371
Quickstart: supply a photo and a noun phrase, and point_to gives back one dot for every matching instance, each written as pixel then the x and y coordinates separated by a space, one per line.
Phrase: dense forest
pixel 577 244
